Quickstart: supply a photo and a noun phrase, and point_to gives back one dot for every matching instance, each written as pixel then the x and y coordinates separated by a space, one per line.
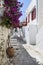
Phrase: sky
pixel 23 9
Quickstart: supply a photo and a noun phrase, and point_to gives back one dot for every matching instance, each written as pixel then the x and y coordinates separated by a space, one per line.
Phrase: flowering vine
pixel 12 13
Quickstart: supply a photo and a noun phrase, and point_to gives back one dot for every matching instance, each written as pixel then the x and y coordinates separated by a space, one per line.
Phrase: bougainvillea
pixel 12 12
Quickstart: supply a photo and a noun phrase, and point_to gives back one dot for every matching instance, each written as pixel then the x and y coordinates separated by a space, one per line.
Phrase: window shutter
pixel 34 14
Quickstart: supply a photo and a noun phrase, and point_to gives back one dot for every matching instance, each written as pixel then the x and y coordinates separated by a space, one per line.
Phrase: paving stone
pixel 22 57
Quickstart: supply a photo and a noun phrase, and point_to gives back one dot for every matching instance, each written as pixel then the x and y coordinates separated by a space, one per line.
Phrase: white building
pixel 1 7
pixel 31 28
pixel 34 14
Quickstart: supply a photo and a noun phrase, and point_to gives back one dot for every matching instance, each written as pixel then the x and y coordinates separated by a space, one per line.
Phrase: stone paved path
pixel 21 56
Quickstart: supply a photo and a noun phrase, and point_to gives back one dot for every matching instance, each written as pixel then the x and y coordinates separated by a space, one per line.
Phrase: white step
pixel 13 40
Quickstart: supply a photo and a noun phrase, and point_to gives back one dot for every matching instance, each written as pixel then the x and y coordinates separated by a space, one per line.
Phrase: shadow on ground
pixel 22 57
pixel 19 39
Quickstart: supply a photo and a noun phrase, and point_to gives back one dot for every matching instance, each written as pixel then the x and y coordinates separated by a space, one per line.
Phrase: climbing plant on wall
pixel 12 13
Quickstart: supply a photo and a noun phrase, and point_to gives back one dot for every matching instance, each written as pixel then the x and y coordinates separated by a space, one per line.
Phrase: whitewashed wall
pixel 32 27
pixel 32 34
pixel 40 12
pixel 39 39
pixel 27 34
pixel 39 36
pixel 23 31
pixel 30 7
pixel 1 7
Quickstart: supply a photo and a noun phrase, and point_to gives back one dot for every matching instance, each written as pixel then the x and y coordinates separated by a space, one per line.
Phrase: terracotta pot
pixel 10 52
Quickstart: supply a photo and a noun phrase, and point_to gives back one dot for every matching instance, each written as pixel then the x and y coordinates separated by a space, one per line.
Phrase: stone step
pixel 13 39
pixel 15 43
pixel 15 46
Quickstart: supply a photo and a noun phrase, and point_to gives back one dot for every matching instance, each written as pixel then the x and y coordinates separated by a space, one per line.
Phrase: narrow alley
pixel 21 55
pixel 21 32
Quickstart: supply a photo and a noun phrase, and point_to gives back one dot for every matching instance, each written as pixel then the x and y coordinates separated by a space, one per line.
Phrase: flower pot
pixel 10 52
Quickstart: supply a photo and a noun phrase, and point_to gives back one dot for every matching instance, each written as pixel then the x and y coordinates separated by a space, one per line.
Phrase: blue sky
pixel 23 9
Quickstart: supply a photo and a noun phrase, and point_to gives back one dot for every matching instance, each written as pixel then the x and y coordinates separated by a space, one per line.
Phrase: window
pixel 29 18
pixel 34 14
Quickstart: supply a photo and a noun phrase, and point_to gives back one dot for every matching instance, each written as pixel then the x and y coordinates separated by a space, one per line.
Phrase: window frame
pixel 33 13
pixel 29 17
